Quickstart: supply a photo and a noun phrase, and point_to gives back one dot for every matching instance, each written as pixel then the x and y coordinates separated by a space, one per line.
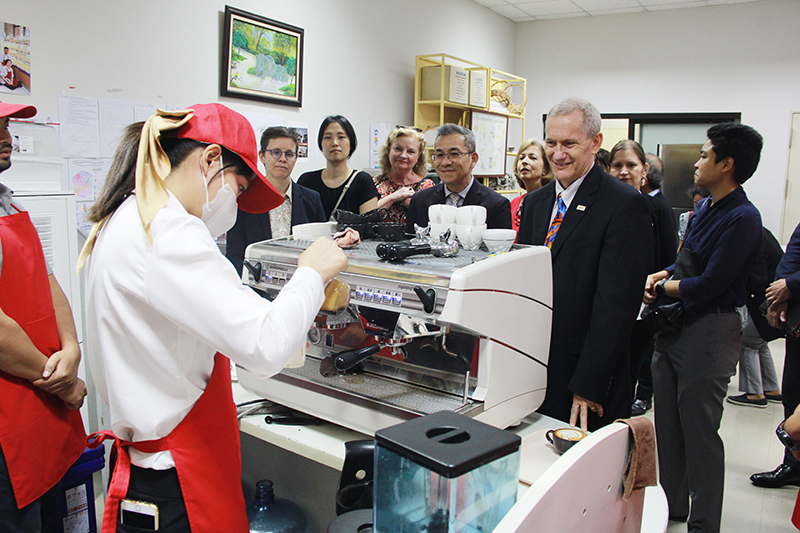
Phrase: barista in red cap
pixel 41 432
pixel 163 305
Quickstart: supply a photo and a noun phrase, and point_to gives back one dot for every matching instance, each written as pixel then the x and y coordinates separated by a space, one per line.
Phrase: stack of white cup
pixel 441 218
pixel 470 224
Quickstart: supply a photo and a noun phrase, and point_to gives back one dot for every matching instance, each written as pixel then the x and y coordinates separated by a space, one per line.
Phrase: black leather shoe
pixel 780 477
pixel 640 407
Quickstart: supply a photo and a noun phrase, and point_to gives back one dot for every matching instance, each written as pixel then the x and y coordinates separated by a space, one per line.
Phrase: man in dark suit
pixel 601 240
pixel 301 205
pixel 454 157
pixel 655 178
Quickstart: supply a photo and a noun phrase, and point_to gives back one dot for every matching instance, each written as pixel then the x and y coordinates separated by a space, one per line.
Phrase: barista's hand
pixel 580 410
pixel 61 371
pixel 650 286
pixel 778 292
pixel 325 257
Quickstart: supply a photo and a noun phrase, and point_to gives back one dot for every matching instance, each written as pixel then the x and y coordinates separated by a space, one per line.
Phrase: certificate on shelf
pixel 491 132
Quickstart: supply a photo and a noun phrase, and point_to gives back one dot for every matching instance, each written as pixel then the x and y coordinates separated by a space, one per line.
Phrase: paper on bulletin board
pixel 80 130
pixel 301 128
pixel 143 110
pixel 378 132
pixel 115 116
pixel 82 217
pixel 87 177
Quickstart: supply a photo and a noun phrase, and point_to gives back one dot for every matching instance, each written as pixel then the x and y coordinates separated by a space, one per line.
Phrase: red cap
pixel 217 124
pixel 16 110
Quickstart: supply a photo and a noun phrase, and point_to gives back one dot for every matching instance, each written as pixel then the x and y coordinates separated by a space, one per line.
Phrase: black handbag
pixel 666 314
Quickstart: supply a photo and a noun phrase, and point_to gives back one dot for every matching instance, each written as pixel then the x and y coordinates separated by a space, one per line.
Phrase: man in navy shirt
pixel 692 366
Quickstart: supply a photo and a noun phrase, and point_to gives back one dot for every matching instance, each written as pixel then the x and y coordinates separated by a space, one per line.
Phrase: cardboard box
pixel 477 88
pixel 456 84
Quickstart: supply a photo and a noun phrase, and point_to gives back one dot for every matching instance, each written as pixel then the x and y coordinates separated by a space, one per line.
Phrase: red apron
pixel 205 447
pixel 33 423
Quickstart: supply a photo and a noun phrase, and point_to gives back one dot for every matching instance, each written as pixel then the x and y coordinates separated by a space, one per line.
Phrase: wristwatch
pixel 785 438
pixel 660 290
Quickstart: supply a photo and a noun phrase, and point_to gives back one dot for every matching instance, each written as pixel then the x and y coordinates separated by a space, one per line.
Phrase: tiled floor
pixel 751 446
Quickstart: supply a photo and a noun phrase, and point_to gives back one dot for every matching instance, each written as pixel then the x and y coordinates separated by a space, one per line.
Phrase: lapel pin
pixel 581 208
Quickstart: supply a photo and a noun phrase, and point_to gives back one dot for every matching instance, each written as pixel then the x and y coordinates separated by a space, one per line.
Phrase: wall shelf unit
pixel 500 93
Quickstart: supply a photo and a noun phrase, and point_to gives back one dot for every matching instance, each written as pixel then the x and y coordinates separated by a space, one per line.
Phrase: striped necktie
pixel 551 233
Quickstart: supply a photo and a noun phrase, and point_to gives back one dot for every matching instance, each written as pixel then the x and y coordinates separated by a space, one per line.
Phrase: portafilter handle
pixel 399 252
pixel 344 361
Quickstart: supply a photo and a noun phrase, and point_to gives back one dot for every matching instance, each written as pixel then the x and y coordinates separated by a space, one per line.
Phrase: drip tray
pixel 386 391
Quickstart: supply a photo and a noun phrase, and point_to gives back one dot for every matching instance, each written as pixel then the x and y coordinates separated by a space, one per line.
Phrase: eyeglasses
pixel 401 127
pixel 452 156
pixel 276 154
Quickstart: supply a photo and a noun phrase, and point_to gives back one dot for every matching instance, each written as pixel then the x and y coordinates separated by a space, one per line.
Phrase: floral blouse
pixel 397 211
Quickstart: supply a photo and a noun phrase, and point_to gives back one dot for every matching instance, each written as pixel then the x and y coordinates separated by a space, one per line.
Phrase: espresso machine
pixel 468 334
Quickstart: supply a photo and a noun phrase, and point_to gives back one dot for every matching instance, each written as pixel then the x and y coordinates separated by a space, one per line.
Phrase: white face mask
pixel 219 215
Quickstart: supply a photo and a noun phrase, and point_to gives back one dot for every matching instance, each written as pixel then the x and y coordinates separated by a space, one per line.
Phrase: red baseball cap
pixel 217 124
pixel 16 110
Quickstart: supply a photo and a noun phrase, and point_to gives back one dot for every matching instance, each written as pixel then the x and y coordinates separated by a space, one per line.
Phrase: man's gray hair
pixel 455 129
pixel 591 116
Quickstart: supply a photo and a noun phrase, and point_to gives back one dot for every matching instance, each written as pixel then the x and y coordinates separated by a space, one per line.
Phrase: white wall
pixel 359 54
pixel 743 57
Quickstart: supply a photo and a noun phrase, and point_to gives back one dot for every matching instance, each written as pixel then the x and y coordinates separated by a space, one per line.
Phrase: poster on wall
pixel 262 59
pixel 491 133
pixel 15 65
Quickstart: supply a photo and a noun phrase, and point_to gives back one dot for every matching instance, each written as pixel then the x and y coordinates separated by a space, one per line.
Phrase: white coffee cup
pixel 470 237
pixel 442 213
pixel 471 215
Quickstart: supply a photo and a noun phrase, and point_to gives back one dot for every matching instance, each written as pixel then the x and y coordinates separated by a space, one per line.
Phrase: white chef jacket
pixel 158 312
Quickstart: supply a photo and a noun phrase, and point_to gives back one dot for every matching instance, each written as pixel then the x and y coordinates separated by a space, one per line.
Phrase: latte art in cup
pixel 570 434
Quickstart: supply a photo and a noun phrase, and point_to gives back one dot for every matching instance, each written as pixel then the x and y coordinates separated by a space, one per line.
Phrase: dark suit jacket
pixel 601 255
pixel 250 228
pixel 498 209
pixel 664 232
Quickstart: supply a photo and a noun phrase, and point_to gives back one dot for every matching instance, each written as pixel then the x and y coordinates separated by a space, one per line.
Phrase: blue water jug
pixel 268 514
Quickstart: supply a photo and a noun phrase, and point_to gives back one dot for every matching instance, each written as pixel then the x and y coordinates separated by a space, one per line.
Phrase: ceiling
pixel 527 10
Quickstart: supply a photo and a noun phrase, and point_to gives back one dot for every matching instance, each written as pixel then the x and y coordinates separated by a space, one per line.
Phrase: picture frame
pixel 491 141
pixel 262 59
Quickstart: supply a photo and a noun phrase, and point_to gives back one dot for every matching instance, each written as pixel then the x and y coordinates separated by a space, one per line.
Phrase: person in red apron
pixel 163 305
pixel 41 431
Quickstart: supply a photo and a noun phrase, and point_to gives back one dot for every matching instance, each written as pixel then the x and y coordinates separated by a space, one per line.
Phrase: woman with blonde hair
pixel 404 164
pixel 532 170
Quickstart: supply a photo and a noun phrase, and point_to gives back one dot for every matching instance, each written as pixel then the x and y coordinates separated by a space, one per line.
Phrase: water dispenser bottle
pixel 268 514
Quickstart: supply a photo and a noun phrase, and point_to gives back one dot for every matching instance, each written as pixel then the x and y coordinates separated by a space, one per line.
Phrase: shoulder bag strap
pixel 344 191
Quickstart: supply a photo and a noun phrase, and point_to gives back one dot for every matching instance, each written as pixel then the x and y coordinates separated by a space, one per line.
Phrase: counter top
pixel 325 443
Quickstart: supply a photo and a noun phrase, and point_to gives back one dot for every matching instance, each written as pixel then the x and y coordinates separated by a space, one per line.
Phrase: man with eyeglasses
pixel 454 157
pixel 601 240
pixel 301 205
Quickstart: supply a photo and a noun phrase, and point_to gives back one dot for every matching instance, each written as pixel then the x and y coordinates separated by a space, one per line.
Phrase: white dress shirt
pixel 157 312
pixel 566 194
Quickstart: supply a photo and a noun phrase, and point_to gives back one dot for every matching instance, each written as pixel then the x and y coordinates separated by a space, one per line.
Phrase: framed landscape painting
pixel 262 59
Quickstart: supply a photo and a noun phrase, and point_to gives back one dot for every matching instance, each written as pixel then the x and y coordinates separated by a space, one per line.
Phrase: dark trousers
pixel 162 488
pixel 30 519
pixel 691 372
pixel 642 344
pixel 790 388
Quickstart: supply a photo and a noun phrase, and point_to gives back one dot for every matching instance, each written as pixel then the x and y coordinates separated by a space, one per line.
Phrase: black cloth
pixel 665 249
pixel 665 236
pixel 498 209
pixel 34 517
pixel 361 190
pixel 250 228
pixel 789 269
pixel 728 239
pixel 600 256
pixel 757 283
pixel 660 195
